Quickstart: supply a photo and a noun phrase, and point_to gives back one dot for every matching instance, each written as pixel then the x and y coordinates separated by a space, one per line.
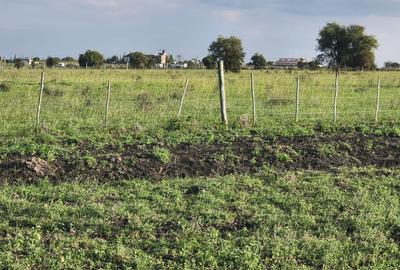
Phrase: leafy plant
pixel 162 154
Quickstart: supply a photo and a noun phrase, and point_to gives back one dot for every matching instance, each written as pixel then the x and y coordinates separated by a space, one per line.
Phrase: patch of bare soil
pixel 248 155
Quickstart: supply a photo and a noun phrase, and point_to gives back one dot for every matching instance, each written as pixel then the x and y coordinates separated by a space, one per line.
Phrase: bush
pixel 91 59
pixel 143 101
pixel 5 86
pixel 53 92
pixel 162 154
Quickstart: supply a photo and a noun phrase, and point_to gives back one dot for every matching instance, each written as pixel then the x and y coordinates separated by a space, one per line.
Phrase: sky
pixel 275 28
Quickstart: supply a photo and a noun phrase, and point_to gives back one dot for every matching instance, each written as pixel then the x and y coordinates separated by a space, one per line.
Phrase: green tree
pixel 152 60
pixel 18 63
pixel 392 65
pixel 138 60
pixel 68 59
pixel 348 46
pixel 362 48
pixel 112 60
pixel 209 62
pixel 91 59
pixel 52 61
pixel 258 61
pixel 230 50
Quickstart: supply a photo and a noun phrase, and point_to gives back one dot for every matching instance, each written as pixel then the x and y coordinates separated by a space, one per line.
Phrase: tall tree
pixel 230 50
pixel 346 46
pixel 112 60
pixel 52 61
pixel 361 49
pixel 91 59
pixel 209 62
pixel 138 59
pixel 258 61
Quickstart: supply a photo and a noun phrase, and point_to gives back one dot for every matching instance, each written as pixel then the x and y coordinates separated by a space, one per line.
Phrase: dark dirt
pixel 244 155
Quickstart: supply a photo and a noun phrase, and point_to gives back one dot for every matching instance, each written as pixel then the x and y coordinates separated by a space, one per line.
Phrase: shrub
pixel 91 59
pixel 162 154
pixel 5 86
pixel 53 92
pixel 143 101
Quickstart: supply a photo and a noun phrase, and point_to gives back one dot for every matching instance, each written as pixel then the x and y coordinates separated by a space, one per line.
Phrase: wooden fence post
pixel 253 98
pixel 221 77
pixel 39 105
pixel 183 97
pixel 378 97
pixel 297 98
pixel 336 97
pixel 107 104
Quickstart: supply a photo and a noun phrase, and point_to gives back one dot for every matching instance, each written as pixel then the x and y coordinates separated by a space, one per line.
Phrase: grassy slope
pixel 298 220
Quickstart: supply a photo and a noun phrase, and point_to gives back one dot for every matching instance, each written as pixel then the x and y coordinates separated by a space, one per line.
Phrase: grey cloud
pixel 336 8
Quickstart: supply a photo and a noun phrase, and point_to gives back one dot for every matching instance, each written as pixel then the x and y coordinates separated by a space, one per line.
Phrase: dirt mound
pixel 248 155
pixel 28 169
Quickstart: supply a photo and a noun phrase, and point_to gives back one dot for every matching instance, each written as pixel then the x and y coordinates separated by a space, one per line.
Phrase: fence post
pixel 107 103
pixel 39 105
pixel 378 97
pixel 221 77
pixel 253 98
pixel 183 97
pixel 336 96
pixel 297 98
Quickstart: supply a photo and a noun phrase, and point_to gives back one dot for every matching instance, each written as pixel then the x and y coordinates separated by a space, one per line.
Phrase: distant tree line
pixel 392 65
pixel 340 47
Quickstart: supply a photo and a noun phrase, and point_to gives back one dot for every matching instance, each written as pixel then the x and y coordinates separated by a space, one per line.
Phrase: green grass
pixel 298 220
pixel 349 219
pixel 143 99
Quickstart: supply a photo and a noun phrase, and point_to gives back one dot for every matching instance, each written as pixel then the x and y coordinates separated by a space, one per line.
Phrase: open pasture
pixel 151 98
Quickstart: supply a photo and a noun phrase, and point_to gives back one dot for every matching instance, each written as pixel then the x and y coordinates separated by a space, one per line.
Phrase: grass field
pixel 154 192
pixel 297 220
pixel 76 98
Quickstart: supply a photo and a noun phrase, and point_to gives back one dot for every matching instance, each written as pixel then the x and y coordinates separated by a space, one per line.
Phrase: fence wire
pixel 152 99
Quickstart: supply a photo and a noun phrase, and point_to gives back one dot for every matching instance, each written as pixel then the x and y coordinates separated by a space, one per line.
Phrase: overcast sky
pixel 275 28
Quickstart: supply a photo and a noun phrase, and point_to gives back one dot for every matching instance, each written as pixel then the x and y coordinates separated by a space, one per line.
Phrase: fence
pixel 73 99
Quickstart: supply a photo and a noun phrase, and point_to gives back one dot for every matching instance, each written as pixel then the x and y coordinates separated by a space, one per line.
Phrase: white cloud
pixel 231 16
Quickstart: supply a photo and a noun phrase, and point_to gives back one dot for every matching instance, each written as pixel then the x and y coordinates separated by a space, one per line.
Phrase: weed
pixel 283 157
pixel 162 154
pixel 90 161
pixel 52 91
pixel 5 86
pixel 144 102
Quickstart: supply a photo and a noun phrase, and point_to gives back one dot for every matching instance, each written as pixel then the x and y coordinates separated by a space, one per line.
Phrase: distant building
pixel 163 59
pixel 288 63
pixel 26 61
pixel 178 65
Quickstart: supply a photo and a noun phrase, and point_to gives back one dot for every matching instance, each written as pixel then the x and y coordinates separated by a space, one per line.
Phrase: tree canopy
pixel 229 50
pixel 91 59
pixel 52 61
pixel 258 61
pixel 138 60
pixel 346 46
pixel 209 62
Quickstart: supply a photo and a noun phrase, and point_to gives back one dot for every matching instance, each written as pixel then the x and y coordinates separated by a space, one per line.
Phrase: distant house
pixel 288 63
pixel 26 61
pixel 178 65
pixel 162 58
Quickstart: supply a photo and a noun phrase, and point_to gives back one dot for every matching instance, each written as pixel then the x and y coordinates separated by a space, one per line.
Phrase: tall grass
pixel 149 98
